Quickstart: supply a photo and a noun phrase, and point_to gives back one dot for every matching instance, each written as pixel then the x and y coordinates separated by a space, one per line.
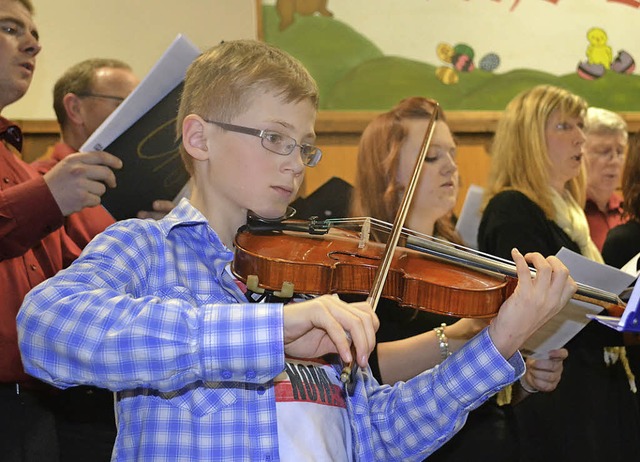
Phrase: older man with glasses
pixel 85 95
pixel 604 148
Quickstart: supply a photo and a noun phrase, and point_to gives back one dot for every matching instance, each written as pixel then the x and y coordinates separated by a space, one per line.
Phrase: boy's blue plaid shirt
pixel 149 310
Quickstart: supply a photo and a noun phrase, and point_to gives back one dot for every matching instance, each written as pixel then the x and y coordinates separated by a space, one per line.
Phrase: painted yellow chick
pixel 598 52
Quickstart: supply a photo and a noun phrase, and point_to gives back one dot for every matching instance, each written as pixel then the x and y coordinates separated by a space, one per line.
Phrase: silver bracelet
pixel 526 387
pixel 443 342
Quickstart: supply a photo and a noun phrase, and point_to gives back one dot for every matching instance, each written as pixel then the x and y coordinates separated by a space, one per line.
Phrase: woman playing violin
pixel 534 200
pixel 386 157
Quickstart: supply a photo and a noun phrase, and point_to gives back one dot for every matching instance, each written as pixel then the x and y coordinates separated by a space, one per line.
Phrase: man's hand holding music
pixel 80 179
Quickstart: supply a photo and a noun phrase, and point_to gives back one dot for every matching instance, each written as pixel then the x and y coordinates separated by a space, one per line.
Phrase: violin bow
pixel 348 371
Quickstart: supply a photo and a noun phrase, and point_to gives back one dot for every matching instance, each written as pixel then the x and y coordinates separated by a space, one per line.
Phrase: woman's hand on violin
pixel 534 301
pixel 326 324
pixel 545 374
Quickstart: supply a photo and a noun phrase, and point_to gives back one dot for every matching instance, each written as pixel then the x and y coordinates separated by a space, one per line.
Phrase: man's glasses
pixel 609 154
pixel 119 99
pixel 276 142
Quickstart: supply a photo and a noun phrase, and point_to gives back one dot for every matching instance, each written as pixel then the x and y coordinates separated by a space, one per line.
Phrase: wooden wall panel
pixel 38 136
pixel 338 135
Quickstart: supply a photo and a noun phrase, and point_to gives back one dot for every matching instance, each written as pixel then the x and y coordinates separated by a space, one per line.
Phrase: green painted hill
pixel 328 48
pixel 353 74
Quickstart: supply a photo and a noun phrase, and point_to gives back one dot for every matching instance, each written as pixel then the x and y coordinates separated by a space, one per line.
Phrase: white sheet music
pixel 576 314
pixel 469 219
pixel 163 77
pixel 631 267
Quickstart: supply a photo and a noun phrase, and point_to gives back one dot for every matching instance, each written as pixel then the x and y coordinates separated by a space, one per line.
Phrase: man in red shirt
pixel 83 97
pixel 33 246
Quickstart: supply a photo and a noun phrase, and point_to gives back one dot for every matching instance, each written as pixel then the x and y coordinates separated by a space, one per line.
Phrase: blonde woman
pixel 534 200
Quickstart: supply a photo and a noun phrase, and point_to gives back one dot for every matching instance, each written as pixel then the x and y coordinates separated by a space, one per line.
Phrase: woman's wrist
pixel 526 386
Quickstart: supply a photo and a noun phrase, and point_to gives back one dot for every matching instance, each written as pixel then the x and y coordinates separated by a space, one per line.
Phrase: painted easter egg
pixel 447 75
pixel 489 62
pixel 590 71
pixel 444 52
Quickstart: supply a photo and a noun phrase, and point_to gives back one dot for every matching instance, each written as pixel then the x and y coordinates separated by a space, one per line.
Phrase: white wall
pixel 136 31
pixel 549 35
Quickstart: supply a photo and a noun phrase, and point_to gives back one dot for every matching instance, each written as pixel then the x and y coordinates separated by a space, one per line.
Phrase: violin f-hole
pixel 336 255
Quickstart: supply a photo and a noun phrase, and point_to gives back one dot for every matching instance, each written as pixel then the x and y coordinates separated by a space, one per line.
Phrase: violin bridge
pixel 365 232
pixel 252 284
pixel 286 291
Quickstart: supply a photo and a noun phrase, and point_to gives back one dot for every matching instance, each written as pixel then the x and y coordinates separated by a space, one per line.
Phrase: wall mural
pixel 468 54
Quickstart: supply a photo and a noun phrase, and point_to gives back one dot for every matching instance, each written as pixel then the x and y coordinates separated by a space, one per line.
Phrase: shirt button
pixel 251 374
pixel 226 375
pixel 33 267
pixel 260 390
pixel 6 180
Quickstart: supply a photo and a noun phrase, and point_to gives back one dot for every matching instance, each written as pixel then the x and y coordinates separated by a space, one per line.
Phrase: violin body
pixel 338 262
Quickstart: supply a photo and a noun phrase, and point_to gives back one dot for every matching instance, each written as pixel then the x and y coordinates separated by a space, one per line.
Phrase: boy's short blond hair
pixel 222 82
pixel 27 4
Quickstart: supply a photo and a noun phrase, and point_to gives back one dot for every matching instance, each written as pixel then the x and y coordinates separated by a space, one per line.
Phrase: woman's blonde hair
pixel 377 192
pixel 520 160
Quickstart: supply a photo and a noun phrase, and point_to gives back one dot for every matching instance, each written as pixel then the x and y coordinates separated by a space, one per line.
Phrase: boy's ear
pixel 194 137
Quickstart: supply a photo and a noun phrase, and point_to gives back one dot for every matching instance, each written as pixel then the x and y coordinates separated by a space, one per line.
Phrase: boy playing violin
pixel 151 310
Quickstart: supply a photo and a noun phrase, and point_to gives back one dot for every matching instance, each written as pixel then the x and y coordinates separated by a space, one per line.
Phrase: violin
pixel 345 262
pixel 339 256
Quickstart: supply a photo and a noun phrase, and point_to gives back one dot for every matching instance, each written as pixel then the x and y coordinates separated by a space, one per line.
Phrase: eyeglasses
pixel 119 99
pixel 609 154
pixel 276 142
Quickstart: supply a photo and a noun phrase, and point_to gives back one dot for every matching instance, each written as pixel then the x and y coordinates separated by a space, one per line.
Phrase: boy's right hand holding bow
pixel 326 324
